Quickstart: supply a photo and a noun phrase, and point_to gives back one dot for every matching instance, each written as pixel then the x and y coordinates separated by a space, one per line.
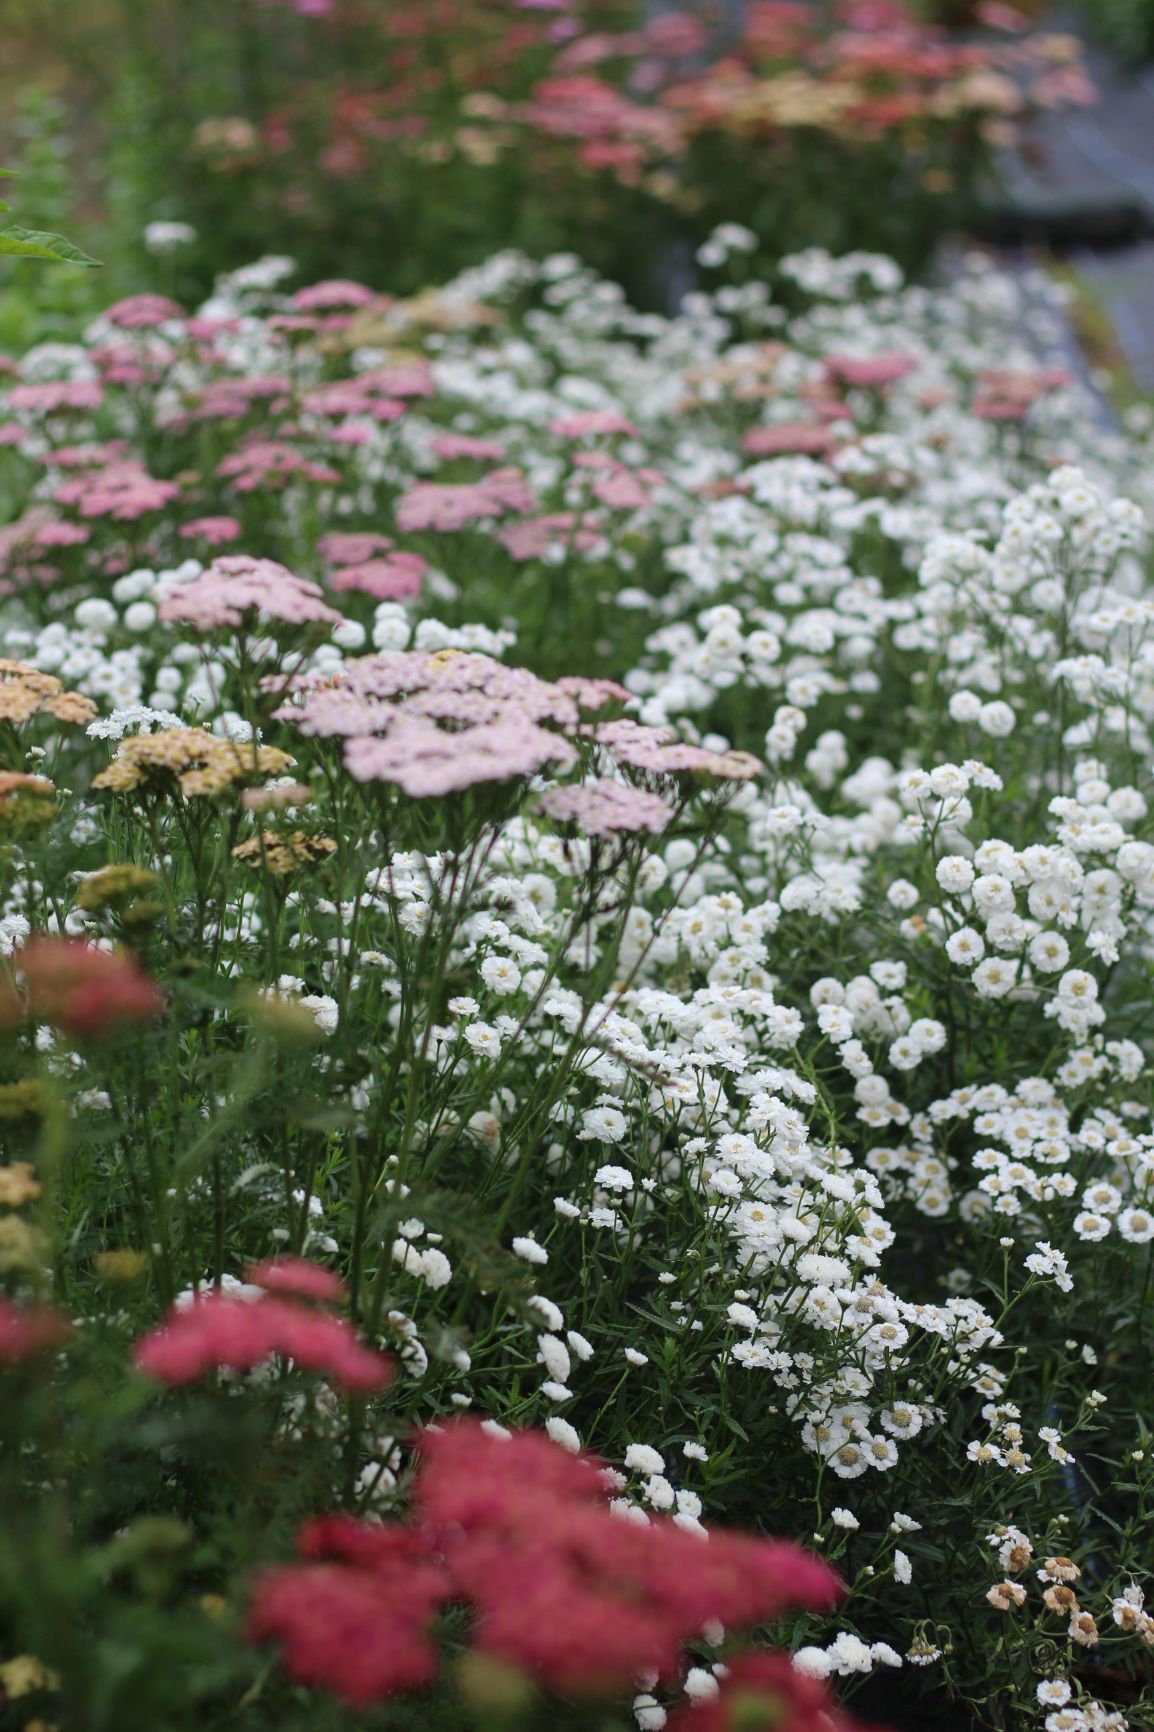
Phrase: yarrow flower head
pixel 509 1519
pixel 219 1332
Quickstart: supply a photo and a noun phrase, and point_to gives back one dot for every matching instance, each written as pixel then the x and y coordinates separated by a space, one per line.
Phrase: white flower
pixel 325 1012
pixel 483 1038
pixel 955 874
pixel 965 946
pixel 603 1124
pixel 563 1433
pixel 642 1458
pixel 1053 1692
pixel 903 1569
pixel 844 1518
pixel 500 974
pixel 529 1251
pixel 813 1662
pixel 614 1178
pixel 700 1685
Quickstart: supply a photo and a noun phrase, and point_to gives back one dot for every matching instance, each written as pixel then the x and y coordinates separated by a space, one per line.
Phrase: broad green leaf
pixel 36 244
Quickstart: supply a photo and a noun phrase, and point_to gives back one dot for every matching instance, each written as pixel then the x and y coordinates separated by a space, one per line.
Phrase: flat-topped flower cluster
pixel 631 841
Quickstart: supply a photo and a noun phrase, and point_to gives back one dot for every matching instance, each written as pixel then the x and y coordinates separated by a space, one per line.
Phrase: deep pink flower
pixel 354 1618
pixel 396 576
pixel 219 1332
pixel 763 1692
pixel 26 1331
pixel 298 1278
pixel 78 988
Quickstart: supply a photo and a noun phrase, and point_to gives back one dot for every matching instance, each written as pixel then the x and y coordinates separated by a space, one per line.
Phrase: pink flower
pixel 357 1626
pixel 445 506
pixel 264 463
pixel 214 530
pixel 123 491
pixel 396 576
pixel 450 446
pixel 872 372
pixel 426 761
pixel 591 424
pixel 351 547
pixel 236 584
pixel 338 292
pixel 78 988
pixel 793 438
pixel 559 1587
pixel 763 1690
pixel 26 1331
pixel 402 379
pixel 621 492
pixel 601 808
pixel 534 537
pixel 298 1278
pixel 218 1332
pixel 142 312
pixel 639 747
pixel 56 395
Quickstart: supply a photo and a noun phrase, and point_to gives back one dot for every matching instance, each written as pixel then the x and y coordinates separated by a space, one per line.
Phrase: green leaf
pixel 36 244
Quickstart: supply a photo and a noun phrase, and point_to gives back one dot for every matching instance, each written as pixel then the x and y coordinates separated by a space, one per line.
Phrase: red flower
pixel 561 1587
pixel 28 1330
pixel 297 1277
pixel 763 1693
pixel 525 1525
pixel 78 988
pixel 360 1634
pixel 225 1333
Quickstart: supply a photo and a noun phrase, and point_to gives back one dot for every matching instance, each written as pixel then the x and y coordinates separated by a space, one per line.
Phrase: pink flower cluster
pixel 123 490
pixel 236 585
pixel 373 564
pixel 437 724
pixel 228 1332
pixel 561 1587
pixel 27 1331
pixel 601 807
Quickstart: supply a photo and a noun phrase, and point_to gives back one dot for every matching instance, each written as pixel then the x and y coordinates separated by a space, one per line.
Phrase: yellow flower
pixel 120 1265
pixel 200 764
pixel 280 852
pixel 18 1184
pixel 26 1673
